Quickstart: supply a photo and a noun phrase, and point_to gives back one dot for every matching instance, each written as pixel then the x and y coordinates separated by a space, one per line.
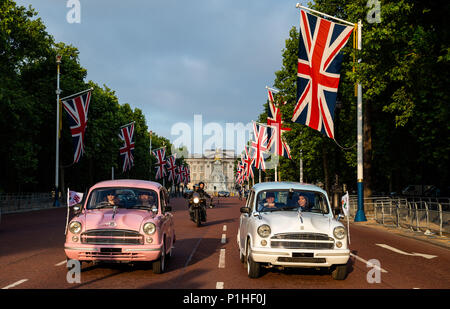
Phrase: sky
pixel 174 59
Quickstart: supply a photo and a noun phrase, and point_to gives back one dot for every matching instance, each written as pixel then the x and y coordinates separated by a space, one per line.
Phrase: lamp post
pixel 58 92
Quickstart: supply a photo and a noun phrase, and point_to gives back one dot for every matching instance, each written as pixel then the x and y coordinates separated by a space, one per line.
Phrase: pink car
pixel 122 220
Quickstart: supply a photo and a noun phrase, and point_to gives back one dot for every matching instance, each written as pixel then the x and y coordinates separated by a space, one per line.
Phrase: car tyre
pixel 339 272
pixel 253 268
pixel 159 266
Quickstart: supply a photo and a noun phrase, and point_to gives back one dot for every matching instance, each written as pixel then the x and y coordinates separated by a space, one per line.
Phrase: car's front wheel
pixel 339 272
pixel 253 268
pixel 159 266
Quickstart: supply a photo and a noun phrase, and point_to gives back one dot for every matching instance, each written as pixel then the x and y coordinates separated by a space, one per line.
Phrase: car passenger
pixel 146 199
pixel 303 203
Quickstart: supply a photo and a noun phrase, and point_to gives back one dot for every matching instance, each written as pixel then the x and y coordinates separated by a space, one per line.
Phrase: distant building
pixel 215 168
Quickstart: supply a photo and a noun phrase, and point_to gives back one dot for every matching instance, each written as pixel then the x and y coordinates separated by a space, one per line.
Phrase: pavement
pixel 436 239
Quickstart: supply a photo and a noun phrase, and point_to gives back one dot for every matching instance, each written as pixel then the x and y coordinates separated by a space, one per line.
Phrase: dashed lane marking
pixel 222 258
pixel 224 228
pixel 14 284
pixel 224 238
pixel 219 285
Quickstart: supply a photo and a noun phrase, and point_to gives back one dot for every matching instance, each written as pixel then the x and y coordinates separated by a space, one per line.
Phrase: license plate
pixel 302 254
pixel 110 250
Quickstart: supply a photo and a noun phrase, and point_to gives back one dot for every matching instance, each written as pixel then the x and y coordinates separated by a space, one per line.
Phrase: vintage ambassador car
pixel 290 224
pixel 122 221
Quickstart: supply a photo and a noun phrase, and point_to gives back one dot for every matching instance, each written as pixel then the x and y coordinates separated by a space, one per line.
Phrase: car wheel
pixel 339 272
pixel 159 266
pixel 253 268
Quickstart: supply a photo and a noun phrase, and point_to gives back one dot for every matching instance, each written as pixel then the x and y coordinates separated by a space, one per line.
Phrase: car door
pixel 245 221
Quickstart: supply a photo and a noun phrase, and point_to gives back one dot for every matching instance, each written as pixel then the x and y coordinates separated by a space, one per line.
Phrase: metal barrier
pixel 12 203
pixel 422 215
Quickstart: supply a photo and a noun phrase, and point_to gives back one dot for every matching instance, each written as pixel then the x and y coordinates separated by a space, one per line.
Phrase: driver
pixel 111 198
pixel 269 201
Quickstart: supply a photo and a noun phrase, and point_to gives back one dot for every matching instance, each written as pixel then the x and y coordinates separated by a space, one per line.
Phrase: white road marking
pixel 222 258
pixel 224 238
pixel 367 263
pixel 14 284
pixel 61 263
pixel 427 256
pixel 219 285
pixel 224 228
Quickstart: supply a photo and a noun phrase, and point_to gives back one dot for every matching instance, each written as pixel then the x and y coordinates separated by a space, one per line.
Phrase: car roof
pixel 133 183
pixel 274 185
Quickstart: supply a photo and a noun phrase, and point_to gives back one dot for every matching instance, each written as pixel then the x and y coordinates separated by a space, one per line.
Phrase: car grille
pixel 112 237
pixel 302 241
pixel 302 236
pixel 301 260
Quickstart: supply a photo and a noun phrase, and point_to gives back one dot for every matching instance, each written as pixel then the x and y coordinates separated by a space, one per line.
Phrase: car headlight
pixel 339 232
pixel 75 227
pixel 149 228
pixel 196 200
pixel 264 230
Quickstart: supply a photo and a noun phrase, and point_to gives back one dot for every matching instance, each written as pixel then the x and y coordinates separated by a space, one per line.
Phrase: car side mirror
pixel 77 209
pixel 340 216
pixel 245 210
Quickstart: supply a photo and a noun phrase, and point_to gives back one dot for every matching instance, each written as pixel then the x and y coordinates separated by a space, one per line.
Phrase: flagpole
pixel 360 215
pixel 78 93
pixel 150 175
pixel 58 92
pixel 67 216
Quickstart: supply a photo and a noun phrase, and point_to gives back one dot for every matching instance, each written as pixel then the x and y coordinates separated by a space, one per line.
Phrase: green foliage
pixel 28 108
pixel 404 72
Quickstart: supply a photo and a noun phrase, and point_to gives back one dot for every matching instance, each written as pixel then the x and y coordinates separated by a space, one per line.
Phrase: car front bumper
pixel 300 258
pixel 82 252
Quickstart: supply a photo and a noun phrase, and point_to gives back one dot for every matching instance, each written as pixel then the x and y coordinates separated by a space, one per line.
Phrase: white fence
pixel 424 214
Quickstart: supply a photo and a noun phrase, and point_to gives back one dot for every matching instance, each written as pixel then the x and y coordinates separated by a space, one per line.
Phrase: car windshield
pixel 291 200
pixel 122 198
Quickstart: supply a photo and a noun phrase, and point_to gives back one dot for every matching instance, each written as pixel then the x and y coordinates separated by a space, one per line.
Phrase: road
pixel 32 257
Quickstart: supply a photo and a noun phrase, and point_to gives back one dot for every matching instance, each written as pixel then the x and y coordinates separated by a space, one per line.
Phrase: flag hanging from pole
pixel 77 110
pixel 259 145
pixel 160 154
pixel 275 132
pixel 319 65
pixel 345 204
pixel 126 135
pixel 74 198
pixel 171 168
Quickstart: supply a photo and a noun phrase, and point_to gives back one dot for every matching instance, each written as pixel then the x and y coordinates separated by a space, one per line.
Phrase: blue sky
pixel 173 59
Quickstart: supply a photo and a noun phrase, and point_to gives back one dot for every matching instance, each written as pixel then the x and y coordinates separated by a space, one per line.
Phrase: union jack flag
pixel 178 174
pixel 275 131
pixel 171 167
pixel 160 154
pixel 184 173
pixel 270 95
pixel 319 65
pixel 126 135
pixel 248 161
pixel 77 109
pixel 259 145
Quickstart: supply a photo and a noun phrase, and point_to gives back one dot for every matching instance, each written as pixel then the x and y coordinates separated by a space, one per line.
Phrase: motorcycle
pixel 197 206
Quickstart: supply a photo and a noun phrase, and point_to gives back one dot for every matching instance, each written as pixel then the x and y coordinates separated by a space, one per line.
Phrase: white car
pixel 277 229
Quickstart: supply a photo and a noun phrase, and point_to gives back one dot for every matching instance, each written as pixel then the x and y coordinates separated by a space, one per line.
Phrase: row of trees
pixel 404 74
pixel 28 113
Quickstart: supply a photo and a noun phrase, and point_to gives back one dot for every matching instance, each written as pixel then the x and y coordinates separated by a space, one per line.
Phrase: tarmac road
pixel 32 257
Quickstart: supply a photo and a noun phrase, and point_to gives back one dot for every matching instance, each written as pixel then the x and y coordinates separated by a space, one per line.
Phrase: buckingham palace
pixel 215 168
